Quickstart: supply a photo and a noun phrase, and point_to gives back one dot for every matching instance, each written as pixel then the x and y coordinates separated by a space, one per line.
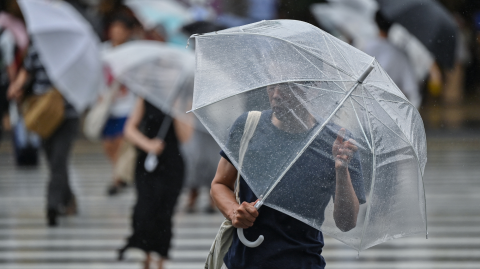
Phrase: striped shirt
pixel 41 81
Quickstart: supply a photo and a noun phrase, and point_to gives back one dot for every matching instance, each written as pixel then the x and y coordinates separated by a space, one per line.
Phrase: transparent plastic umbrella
pixel 68 47
pixel 159 73
pixel 171 14
pixel 313 90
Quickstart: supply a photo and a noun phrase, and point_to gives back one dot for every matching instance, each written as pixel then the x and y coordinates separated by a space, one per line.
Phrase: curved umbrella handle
pixel 245 240
pixel 151 162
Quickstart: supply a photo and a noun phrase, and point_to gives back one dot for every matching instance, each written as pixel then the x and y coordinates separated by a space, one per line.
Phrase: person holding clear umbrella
pixel 292 244
pixel 162 77
pixel 158 190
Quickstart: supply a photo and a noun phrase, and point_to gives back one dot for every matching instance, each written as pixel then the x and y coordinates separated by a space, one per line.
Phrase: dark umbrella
pixel 200 27
pixel 429 22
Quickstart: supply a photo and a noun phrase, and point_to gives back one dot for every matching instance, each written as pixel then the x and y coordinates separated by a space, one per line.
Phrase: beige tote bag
pixel 224 237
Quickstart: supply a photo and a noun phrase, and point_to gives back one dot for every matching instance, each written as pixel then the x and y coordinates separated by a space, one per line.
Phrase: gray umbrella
pixel 429 22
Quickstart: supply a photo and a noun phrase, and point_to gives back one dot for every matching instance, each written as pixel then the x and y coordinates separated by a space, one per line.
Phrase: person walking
pixel 331 159
pixel 157 191
pixel 114 144
pixel 394 61
pixel 57 146
pixel 201 156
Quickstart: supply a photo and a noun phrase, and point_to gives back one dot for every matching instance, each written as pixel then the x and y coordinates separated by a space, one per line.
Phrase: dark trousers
pixel 57 148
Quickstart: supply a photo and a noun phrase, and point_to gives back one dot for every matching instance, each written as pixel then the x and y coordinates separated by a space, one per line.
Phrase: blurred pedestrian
pixel 394 61
pixel 57 146
pixel 114 145
pixel 201 158
pixel 157 191
pixel 7 72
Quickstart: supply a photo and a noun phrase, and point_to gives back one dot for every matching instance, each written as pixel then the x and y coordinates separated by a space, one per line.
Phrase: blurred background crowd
pixel 435 63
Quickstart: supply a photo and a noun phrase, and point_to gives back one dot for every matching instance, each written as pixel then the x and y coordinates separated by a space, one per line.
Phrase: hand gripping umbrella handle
pixel 151 162
pixel 244 240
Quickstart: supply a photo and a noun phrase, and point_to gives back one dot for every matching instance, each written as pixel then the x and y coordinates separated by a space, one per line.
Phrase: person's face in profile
pixel 284 100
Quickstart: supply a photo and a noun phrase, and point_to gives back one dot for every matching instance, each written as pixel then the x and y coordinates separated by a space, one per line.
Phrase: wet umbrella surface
pixel 314 92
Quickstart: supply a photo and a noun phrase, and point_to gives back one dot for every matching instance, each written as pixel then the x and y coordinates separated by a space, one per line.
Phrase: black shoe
pixel 121 252
pixel 115 188
pixel 52 215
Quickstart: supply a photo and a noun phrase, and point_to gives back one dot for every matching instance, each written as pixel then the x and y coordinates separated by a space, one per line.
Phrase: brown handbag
pixel 43 114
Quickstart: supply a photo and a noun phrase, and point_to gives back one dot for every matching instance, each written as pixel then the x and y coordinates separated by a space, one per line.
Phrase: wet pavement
pixel 89 240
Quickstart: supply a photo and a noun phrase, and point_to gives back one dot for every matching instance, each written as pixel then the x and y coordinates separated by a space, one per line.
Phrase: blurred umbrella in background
pixel 200 27
pixel 68 48
pixel 167 13
pixel 16 27
pixel 159 73
pixel 346 18
pixel 419 56
pixel 156 72
pixel 429 22
pixel 353 21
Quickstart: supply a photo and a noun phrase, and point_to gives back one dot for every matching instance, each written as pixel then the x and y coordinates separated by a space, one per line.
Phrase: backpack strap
pixel 250 125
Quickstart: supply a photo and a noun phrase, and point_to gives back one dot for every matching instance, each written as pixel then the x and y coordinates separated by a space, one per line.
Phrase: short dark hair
pixel 128 22
pixel 383 23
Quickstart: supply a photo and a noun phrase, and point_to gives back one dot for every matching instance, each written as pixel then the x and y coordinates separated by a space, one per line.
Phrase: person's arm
pixel 242 216
pixel 183 130
pixel 15 90
pixel 136 137
pixel 346 203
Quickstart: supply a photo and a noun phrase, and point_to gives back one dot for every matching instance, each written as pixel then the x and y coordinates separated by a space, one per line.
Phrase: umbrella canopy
pixel 356 21
pixel 68 48
pixel 159 73
pixel 170 14
pixel 343 19
pixel 311 87
pixel 429 22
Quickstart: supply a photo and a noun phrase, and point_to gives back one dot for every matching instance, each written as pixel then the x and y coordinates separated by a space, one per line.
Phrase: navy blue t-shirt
pixel 289 243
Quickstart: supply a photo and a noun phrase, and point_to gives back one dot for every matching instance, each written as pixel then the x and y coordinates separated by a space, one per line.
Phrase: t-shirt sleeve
pixel 222 153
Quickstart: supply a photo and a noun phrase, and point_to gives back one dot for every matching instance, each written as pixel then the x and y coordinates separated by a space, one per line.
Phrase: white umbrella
pixel 155 71
pixel 170 14
pixel 159 73
pixel 357 25
pixel 67 47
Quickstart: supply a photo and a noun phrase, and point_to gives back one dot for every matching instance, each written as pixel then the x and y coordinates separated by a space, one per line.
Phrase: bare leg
pixel 161 262
pixel 112 149
pixel 192 198
pixel 146 262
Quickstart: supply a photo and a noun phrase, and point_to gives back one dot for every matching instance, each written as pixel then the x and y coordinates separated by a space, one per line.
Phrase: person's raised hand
pixel 342 150
pixel 156 146
pixel 244 216
pixel 14 92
